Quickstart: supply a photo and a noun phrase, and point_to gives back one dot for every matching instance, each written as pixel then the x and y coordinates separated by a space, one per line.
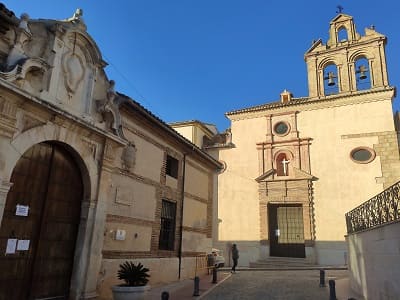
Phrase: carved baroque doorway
pixel 40 224
pixel 286 230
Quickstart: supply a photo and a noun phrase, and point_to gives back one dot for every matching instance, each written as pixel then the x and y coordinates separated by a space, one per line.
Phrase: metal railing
pixel 382 209
pixel 203 262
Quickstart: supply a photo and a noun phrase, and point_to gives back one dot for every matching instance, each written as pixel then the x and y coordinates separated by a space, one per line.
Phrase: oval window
pixel 281 128
pixel 362 155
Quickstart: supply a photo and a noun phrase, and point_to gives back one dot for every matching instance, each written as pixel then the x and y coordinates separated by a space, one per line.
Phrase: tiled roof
pixel 303 100
pixel 157 121
pixel 271 105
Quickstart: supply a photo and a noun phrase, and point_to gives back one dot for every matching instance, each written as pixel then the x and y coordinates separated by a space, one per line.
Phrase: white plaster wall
pixel 194 213
pixel 135 199
pixel 374 262
pixel 195 242
pixel 149 157
pixel 137 238
pixel 238 206
pixel 186 131
pixel 338 187
pixel 199 186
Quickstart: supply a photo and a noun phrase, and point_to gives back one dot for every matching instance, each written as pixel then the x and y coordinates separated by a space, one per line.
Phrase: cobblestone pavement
pixel 274 285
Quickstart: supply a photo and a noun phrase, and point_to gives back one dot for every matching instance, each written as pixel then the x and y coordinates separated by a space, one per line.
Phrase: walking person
pixel 235 257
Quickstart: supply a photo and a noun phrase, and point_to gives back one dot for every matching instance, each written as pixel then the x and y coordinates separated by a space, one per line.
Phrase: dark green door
pixel 286 230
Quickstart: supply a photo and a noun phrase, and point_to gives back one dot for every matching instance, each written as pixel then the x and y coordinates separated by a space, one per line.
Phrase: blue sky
pixel 188 59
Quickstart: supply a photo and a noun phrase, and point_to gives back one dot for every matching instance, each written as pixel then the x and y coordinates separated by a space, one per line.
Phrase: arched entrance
pixel 39 228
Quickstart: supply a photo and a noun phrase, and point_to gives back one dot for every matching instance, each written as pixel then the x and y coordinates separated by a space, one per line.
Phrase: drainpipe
pixel 181 223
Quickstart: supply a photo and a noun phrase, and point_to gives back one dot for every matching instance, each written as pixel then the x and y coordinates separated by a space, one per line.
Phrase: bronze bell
pixel 331 80
pixel 362 70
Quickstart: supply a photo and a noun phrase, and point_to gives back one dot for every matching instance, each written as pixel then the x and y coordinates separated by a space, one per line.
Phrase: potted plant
pixel 135 286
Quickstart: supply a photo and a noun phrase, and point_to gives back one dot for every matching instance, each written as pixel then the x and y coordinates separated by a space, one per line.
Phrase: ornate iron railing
pixel 381 209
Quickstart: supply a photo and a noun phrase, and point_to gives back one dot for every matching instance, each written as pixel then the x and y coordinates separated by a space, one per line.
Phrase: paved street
pixel 274 285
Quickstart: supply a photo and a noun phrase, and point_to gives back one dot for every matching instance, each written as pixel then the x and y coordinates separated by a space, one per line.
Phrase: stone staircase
pixel 289 263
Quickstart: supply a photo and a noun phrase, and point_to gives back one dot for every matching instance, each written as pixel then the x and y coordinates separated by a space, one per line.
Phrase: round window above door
pixel 281 128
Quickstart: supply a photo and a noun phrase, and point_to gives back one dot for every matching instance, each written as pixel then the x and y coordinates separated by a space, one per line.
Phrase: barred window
pixel 167 230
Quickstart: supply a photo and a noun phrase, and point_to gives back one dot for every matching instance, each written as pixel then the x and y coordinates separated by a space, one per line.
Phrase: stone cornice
pixel 58 111
pixel 304 104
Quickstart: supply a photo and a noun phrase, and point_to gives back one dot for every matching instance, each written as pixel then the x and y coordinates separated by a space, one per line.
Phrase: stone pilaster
pixel 4 188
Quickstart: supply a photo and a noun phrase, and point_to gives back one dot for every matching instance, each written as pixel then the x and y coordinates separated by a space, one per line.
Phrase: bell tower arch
pixel 348 62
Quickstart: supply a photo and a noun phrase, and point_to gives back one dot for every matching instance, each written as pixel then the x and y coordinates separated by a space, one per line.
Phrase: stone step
pixel 277 262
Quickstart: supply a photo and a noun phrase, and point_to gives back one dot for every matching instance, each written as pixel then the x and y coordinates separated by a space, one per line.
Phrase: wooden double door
pixel 39 226
pixel 286 230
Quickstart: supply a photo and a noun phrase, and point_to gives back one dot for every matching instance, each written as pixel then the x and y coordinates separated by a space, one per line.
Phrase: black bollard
pixel 332 290
pixel 164 295
pixel 214 275
pixel 196 286
pixel 321 278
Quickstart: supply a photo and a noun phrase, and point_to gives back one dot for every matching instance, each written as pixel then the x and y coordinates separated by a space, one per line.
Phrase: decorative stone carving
pixel 223 139
pixel 7 19
pixel 8 112
pixel 109 152
pixel 91 147
pixel 128 157
pixel 19 64
pixel 109 108
pixel 17 54
pixel 74 71
pixel 77 19
pixel 26 67
pixel 24 22
pixel 29 122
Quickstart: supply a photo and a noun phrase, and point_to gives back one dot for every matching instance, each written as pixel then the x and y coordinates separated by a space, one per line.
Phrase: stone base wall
pixel 374 262
pixel 162 270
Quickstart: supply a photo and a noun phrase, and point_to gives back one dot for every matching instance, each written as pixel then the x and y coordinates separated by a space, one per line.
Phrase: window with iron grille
pixel 167 230
pixel 172 167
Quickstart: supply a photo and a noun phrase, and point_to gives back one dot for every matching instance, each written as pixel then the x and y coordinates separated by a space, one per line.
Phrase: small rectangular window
pixel 167 230
pixel 172 167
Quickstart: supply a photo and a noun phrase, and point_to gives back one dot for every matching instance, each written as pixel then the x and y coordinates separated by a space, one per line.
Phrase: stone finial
pixel 77 19
pixel 77 15
pixel 23 24
pixel 228 136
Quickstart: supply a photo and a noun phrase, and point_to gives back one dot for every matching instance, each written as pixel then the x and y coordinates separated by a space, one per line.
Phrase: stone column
pixel 97 220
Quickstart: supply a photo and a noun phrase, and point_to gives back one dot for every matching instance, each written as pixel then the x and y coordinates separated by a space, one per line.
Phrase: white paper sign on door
pixel 22 210
pixel 23 245
pixel 11 246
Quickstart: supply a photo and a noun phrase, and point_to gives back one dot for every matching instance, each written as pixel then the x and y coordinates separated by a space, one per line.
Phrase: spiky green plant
pixel 133 275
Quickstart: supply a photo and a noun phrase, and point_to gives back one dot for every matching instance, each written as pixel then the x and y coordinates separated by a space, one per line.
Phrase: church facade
pixel 294 167
pixel 88 177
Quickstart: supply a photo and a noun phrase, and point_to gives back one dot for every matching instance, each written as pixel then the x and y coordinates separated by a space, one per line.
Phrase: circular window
pixel 281 128
pixel 362 155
